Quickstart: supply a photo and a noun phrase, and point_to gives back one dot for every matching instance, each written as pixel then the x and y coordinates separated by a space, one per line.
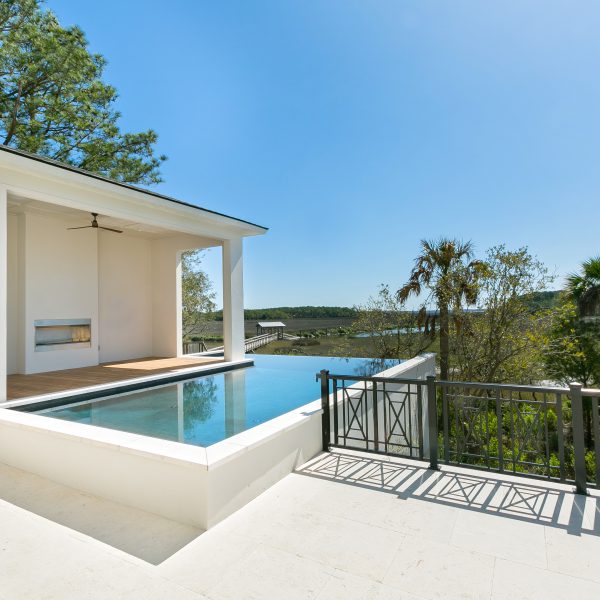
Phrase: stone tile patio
pixel 345 526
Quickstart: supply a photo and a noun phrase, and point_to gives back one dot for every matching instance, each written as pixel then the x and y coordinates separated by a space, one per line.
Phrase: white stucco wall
pixel 12 362
pixel 3 289
pixel 59 276
pixel 125 297
pixel 128 285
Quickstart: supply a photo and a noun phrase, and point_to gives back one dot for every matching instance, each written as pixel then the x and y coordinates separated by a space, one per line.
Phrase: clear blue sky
pixel 355 128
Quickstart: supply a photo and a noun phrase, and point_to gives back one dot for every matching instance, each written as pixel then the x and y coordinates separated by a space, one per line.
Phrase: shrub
pixel 306 342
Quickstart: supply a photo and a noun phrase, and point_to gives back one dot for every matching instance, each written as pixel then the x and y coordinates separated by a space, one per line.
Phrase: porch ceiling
pixel 74 218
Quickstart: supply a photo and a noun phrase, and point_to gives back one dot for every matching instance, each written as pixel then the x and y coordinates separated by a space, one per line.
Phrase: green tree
pixel 54 103
pixel 503 341
pixel 393 331
pixel 197 295
pixel 200 397
pixel 573 354
pixel 446 272
pixel 584 287
pixel 573 350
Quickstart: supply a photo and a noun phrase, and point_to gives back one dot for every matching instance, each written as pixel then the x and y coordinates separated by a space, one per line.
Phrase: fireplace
pixel 60 334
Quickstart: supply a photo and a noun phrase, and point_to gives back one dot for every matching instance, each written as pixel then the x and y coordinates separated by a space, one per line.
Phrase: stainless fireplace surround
pixel 62 334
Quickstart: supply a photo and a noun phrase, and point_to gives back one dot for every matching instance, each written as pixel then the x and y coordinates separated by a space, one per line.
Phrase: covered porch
pixel 83 303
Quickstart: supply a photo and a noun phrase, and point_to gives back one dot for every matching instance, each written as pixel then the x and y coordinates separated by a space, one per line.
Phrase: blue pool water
pixel 209 409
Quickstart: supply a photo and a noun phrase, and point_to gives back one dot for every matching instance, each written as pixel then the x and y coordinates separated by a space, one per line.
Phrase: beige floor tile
pixel 427 520
pixel 434 570
pixel 516 581
pixel 576 555
pixel 342 586
pixel 207 560
pixel 271 573
pixel 501 537
pixel 355 547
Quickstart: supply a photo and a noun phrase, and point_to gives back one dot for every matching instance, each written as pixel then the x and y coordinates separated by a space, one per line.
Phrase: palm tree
pixel 446 270
pixel 584 287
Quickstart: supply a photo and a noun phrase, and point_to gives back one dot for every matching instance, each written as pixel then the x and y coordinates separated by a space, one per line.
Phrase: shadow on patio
pixel 149 537
pixel 501 495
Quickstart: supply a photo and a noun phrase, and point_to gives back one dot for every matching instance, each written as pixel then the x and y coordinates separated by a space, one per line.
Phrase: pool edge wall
pixel 185 489
pixel 188 484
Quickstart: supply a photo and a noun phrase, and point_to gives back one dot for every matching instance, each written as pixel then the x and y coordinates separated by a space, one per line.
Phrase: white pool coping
pixel 158 449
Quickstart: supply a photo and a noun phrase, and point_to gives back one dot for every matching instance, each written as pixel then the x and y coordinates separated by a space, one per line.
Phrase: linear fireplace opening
pixel 60 334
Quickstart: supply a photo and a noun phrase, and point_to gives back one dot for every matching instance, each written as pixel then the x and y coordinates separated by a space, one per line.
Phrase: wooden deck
pixel 23 386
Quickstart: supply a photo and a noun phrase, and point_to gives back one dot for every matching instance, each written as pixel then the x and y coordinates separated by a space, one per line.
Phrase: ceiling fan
pixel 95 225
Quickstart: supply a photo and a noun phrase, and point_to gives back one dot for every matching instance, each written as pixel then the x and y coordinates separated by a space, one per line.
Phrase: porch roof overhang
pixel 38 178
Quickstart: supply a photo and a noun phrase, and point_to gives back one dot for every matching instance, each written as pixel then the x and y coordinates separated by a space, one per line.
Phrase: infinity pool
pixel 206 410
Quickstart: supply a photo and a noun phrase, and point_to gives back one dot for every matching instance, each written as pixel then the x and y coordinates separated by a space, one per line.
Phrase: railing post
pixel 432 422
pixel 578 438
pixel 325 417
pixel 375 418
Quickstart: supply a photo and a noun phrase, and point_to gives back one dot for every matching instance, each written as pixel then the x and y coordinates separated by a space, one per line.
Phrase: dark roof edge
pixel 60 165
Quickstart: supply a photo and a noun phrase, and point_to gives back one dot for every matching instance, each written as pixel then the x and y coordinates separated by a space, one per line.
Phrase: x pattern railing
pixel 535 431
pixel 392 424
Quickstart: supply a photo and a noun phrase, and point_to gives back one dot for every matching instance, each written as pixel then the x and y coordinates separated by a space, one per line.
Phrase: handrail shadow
pixel 504 497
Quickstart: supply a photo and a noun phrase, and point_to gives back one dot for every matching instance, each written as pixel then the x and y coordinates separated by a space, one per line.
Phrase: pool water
pixel 206 410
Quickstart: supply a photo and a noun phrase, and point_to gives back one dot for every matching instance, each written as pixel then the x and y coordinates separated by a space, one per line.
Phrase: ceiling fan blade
pixel 84 227
pixel 109 229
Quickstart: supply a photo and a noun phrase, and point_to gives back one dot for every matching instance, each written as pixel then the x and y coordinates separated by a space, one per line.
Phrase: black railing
pixel 534 431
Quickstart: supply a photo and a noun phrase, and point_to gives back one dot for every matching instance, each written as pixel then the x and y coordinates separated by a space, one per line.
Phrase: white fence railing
pixel 250 344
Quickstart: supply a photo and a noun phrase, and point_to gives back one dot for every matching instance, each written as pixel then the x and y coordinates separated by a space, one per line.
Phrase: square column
pixel 3 290
pixel 233 299
pixel 166 298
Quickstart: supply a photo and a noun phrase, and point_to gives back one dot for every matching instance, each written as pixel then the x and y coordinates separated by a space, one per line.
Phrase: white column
pixel 3 290
pixel 166 298
pixel 233 299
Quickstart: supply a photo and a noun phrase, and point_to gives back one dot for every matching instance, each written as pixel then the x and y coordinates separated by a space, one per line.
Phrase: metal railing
pixel 535 431
pixel 260 340
pixel 252 343
pixel 193 347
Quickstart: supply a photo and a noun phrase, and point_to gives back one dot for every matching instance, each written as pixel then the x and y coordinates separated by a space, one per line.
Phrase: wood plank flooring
pixel 22 386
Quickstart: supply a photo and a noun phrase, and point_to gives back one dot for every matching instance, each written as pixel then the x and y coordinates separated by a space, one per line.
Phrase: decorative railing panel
pixel 519 429
pixel 535 431
pixel 378 414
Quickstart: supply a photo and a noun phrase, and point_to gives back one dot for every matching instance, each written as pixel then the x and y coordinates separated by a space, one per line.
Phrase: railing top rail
pixel 513 387
pixel 588 392
pixel 373 378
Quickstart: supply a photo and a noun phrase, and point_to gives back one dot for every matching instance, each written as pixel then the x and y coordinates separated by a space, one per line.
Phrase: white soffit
pixel 29 177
